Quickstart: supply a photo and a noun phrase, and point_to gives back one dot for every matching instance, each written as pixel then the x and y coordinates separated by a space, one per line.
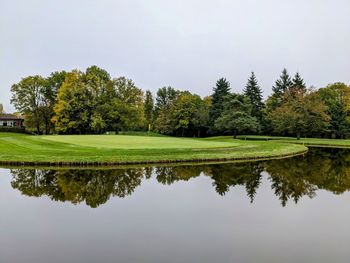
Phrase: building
pixel 11 120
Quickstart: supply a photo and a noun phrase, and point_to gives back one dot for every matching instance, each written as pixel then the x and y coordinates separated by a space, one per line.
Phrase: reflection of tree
pixel 227 175
pixel 293 178
pixel 290 178
pixel 336 176
pixel 94 187
pixel 36 183
pixel 171 174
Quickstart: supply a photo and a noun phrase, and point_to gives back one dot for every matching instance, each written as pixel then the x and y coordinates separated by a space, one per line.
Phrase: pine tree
pixel 149 108
pixel 283 83
pixel 236 116
pixel 281 86
pixel 298 82
pixel 221 90
pixel 254 93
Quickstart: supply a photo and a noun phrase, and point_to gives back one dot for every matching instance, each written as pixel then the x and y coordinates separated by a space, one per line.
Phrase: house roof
pixel 8 116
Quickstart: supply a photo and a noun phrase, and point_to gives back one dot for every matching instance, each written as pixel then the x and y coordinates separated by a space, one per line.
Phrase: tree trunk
pixel 298 135
pixel 235 134
pixel 47 129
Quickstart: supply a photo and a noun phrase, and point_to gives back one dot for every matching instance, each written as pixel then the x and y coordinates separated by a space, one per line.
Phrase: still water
pixel 289 210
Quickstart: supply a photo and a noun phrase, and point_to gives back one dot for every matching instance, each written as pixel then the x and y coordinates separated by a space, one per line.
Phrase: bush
pixel 12 129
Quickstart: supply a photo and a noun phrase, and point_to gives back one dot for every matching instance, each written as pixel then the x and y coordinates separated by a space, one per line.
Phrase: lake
pixel 287 210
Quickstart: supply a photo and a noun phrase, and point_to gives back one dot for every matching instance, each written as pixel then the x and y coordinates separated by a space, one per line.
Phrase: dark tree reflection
pixel 229 175
pixel 94 187
pixel 171 174
pixel 291 178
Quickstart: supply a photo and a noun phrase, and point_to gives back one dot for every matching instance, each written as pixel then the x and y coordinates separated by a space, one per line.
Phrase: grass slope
pixel 133 149
pixel 305 141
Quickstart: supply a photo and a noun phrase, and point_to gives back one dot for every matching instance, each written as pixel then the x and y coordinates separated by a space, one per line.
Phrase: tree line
pixel 93 102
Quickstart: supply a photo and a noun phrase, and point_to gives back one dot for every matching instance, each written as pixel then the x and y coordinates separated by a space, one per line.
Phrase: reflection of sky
pixel 186 221
pixel 188 44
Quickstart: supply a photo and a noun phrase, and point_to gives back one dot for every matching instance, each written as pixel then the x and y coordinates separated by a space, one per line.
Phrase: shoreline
pixel 99 164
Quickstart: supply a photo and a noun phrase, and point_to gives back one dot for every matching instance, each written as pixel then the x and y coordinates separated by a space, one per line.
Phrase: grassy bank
pixel 124 149
pixel 305 141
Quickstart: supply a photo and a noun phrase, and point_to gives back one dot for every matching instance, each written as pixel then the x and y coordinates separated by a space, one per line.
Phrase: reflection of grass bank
pixel 22 149
pixel 314 142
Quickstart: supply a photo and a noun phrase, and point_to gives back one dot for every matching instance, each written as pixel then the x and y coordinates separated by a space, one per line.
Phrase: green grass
pixel 133 149
pixel 304 141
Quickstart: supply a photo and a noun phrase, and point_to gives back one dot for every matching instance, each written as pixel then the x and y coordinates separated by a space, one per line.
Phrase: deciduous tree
pixel 301 113
pixel 72 112
pixel 28 98
pixel 337 98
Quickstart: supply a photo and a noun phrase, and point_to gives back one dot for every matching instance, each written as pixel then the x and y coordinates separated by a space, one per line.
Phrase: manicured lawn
pixel 304 141
pixel 138 142
pixel 130 149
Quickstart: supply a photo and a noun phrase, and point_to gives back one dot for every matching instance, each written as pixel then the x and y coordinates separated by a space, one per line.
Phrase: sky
pixel 187 44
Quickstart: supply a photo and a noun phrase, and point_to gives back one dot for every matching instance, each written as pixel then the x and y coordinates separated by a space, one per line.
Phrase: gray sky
pixel 187 44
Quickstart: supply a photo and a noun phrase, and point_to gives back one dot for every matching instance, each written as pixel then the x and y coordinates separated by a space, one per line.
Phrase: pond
pixel 287 210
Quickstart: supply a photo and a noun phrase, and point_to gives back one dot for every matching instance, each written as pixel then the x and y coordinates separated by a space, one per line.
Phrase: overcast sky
pixel 187 44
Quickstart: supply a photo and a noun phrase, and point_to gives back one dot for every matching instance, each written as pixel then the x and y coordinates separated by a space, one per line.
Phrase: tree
pixel 125 116
pixel 1 108
pixel 302 113
pixel 283 83
pixel 52 85
pixel 280 87
pixel 236 116
pixel 129 104
pixel 163 123
pixel 164 101
pixel 165 97
pixel 253 92
pixel 184 111
pixel 221 91
pixel 337 98
pixel 72 112
pixel 101 92
pixel 201 116
pixel 149 109
pixel 28 98
pixel 298 82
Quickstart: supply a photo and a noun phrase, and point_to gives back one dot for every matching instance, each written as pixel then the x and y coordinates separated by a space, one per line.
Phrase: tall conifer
pixel 254 94
pixel 280 87
pixel 298 82
pixel 221 90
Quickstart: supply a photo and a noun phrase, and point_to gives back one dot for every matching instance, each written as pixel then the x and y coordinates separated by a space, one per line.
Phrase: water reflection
pixel 291 179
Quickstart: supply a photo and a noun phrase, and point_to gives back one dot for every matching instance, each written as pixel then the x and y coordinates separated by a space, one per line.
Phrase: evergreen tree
pixel 283 83
pixel 254 94
pixel 281 86
pixel 149 108
pixel 221 90
pixel 298 82
pixel 236 116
